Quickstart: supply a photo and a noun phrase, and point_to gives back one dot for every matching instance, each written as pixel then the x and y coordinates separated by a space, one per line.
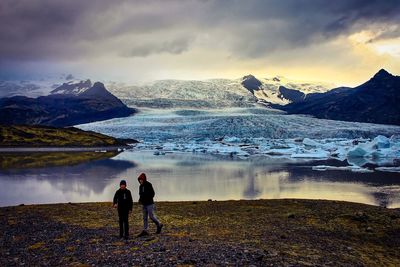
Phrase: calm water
pixel 35 178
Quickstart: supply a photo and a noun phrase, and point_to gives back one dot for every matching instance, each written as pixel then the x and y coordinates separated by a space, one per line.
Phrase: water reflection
pixel 186 176
pixel 82 176
pixel 13 161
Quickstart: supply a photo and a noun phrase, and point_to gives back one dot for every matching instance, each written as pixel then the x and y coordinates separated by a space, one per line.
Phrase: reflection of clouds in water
pixel 83 182
pixel 93 175
pixel 186 176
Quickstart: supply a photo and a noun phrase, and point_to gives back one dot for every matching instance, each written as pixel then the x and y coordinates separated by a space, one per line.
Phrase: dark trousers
pixel 123 223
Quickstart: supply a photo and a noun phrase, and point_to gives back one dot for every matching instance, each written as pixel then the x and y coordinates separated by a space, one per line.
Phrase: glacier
pixel 249 132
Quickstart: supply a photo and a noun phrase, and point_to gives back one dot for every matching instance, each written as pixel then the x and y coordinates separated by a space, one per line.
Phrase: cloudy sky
pixel 342 41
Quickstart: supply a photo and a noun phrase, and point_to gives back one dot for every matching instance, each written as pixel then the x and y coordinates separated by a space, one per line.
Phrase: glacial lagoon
pixel 40 178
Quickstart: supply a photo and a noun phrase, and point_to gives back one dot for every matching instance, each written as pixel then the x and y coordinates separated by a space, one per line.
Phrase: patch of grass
pixel 37 136
pixel 71 249
pixel 118 244
pixel 12 221
pixel 307 231
pixel 38 245
pixel 49 159
pixel 95 240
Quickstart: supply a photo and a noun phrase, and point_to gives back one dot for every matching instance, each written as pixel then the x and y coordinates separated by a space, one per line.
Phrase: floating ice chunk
pixel 331 146
pixel 317 154
pixel 231 139
pixel 222 149
pixel 280 152
pixel 377 154
pixel 358 161
pixel 341 168
pixel 379 147
pixel 358 152
pixel 309 142
pixel 325 168
pixel 362 170
pixel 388 169
pixel 381 141
pixel 395 141
pixel 340 153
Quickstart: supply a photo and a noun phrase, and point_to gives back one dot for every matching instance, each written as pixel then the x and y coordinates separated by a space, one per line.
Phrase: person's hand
pixel 115 205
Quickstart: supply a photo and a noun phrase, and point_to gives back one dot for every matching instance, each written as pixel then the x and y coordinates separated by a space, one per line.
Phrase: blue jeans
pixel 148 211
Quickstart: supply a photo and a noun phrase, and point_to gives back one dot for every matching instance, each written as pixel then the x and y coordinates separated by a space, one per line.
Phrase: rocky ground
pixel 232 233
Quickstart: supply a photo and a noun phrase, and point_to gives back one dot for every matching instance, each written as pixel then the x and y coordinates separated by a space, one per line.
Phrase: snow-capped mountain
pixel 214 93
pixel 211 93
pixel 73 87
pixel 282 91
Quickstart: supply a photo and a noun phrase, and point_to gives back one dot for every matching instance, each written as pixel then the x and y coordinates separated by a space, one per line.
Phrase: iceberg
pixel 341 168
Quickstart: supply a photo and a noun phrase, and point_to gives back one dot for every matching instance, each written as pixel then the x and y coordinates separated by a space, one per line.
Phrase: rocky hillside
pixel 375 101
pixel 93 104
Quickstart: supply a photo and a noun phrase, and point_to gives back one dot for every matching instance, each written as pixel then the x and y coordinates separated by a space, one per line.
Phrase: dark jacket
pixel 124 200
pixel 146 193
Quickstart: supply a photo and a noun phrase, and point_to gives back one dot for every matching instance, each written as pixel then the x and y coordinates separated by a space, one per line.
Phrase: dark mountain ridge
pixel 93 104
pixel 375 101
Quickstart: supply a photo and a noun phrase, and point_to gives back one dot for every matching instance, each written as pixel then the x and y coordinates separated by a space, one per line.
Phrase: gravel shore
pixel 284 232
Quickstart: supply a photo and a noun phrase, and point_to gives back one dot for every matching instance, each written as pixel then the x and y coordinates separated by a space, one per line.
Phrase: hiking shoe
pixel 143 233
pixel 159 228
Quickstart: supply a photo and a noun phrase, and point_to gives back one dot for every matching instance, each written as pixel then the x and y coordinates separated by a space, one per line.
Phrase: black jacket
pixel 146 193
pixel 124 200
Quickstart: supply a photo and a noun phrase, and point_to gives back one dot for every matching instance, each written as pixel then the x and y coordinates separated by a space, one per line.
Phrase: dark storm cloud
pixel 265 26
pixel 58 30
pixel 176 46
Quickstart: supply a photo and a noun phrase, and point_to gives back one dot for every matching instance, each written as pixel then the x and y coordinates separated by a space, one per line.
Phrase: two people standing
pixel 124 202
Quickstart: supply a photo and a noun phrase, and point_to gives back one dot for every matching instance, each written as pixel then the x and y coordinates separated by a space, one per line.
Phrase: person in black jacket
pixel 146 193
pixel 123 202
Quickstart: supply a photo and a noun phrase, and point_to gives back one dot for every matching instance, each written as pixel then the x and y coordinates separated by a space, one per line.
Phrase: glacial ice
pixel 341 168
pixel 248 132
pixel 357 152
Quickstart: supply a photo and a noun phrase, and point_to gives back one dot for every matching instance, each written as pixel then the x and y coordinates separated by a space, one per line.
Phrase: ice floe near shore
pixel 380 151
pixel 341 168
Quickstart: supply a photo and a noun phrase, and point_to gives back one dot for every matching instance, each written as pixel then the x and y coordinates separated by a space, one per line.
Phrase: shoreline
pixel 63 149
pixel 183 202
pixel 278 232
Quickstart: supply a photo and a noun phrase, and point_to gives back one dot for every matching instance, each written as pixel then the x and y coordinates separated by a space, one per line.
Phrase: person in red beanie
pixel 146 193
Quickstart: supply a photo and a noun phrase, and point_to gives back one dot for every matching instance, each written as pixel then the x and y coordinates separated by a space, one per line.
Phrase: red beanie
pixel 142 176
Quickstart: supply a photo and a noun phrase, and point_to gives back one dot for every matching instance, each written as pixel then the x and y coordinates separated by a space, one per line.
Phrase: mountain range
pixel 375 101
pixel 76 101
pixel 64 107
pixel 212 93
